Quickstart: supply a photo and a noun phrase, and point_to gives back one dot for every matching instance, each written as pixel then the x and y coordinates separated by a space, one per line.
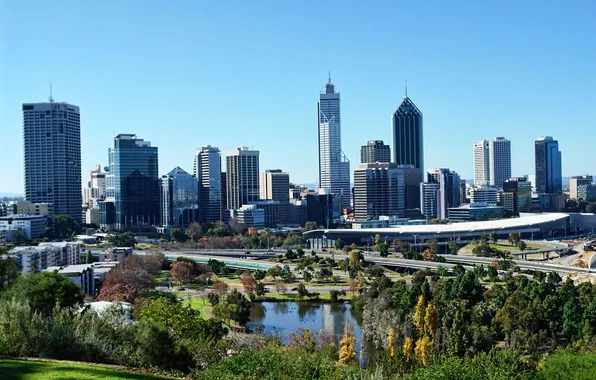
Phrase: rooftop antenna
pixel 51 99
pixel 329 76
pixel 406 85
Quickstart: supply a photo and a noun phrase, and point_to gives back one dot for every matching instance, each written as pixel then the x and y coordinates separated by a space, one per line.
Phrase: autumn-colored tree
pixel 219 287
pixel 408 348
pixel 419 314
pixel 126 284
pixel 194 231
pixel 347 346
pixel 182 271
pixel 430 321
pixel 391 341
pixel 353 286
pixel 361 283
pixel 423 350
pixel 248 281
pixel 429 255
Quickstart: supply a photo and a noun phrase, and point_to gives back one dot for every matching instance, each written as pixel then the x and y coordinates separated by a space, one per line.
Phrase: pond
pixel 285 317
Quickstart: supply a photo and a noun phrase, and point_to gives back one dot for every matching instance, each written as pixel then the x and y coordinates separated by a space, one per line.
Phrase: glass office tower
pixel 406 129
pixel 133 168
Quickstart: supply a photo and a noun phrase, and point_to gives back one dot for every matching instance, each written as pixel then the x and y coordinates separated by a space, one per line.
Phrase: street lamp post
pixel 415 237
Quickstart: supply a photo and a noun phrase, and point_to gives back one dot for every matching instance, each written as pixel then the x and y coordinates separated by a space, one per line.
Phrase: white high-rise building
pixel 334 166
pixel 52 156
pixel 208 172
pixel 500 161
pixel 242 177
pixel 481 163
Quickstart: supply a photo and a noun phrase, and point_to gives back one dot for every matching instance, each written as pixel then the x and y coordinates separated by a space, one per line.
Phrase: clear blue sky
pixel 183 74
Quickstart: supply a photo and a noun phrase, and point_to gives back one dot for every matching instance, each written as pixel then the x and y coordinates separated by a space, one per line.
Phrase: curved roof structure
pixel 526 222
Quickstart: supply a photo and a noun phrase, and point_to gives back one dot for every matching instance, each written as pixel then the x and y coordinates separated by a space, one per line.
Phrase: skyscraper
pixel 481 163
pixel 133 182
pixel 52 156
pixel 179 199
pixel 500 161
pixel 449 189
pixel 385 189
pixel 334 166
pixel 430 200
pixel 549 178
pixel 275 185
pixel 375 151
pixel 242 176
pixel 406 129
pixel 575 182
pixel 208 172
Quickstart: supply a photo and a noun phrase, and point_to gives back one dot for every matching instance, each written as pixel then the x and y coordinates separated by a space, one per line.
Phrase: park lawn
pixel 49 370
pixel 506 247
pixel 143 245
pixel 200 304
pixel 162 276
pixel 565 365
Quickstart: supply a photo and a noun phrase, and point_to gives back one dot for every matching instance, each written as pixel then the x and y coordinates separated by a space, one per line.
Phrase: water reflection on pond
pixel 285 317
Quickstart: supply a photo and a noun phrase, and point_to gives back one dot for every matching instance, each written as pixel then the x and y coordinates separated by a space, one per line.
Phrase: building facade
pixel 375 151
pixel 407 135
pixel 449 187
pixel 575 182
pixel 430 200
pixel 549 176
pixel 249 215
pixel 242 177
pixel 322 208
pixel 522 188
pixel 481 163
pixel 385 189
pixel 208 172
pixel 52 156
pixel 334 166
pixel 133 183
pixel 275 185
pixel 34 226
pixel 271 210
pixel 484 195
pixel 500 161
pixel 179 199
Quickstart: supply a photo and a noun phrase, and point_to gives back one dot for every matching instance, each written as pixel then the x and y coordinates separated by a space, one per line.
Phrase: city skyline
pixel 460 90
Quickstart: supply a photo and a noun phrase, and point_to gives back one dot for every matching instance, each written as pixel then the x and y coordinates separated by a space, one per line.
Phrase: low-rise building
pixel 68 253
pixel 484 195
pixel 22 207
pixel 118 254
pixel 34 226
pixel 35 259
pixel 249 216
pixel 81 274
pixel 475 212
pixel 271 208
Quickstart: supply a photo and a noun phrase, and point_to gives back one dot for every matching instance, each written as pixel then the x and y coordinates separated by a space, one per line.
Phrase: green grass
pixel 32 369
pixel 162 276
pixel 199 304
pixel 144 246
pixel 564 365
pixel 504 246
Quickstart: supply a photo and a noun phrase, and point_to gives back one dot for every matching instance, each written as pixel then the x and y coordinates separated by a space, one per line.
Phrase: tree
pixel 44 290
pixel 521 245
pixel 384 249
pixel 307 276
pixel 88 257
pixel 324 274
pixel 419 314
pixel 423 350
pixel 194 231
pixel 513 238
pixel 183 272
pixel 236 226
pixel 281 287
pixel 433 245
pixel 218 267
pixel 493 274
pixel 430 321
pixel 219 287
pixel 391 341
pixel 126 239
pixel 126 284
pixel 19 236
pixel 354 262
pixel 248 282
pixel 223 311
pixel 9 271
pixel 452 247
pixel 64 226
pixel 290 255
pixel 260 289
pixel 309 226
pixel 493 237
pixel 259 274
pixel 177 234
pixel 429 255
pixel 302 291
pixel 347 346
pixel 340 244
pixel 274 271
pixel 241 311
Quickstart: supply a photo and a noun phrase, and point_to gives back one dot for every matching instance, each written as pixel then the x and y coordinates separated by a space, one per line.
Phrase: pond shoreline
pixel 314 300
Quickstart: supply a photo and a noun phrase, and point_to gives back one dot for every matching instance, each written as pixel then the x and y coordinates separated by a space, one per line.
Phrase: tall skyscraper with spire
pixel 407 136
pixel 334 166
